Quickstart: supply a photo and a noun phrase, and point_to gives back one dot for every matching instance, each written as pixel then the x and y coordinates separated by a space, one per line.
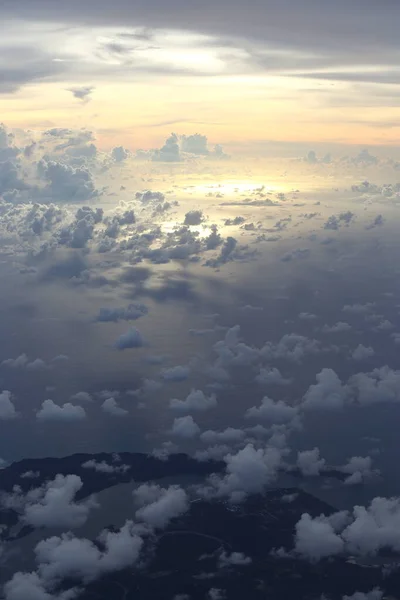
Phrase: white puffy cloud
pixel 271 376
pixel 316 538
pixel 364 531
pixel 53 503
pixel 14 363
pixel 159 505
pixel 130 313
pixel 310 463
pixel 380 385
pixel 131 339
pixel 81 397
pixel 375 594
pixel 247 472
pixel 195 401
pixel 111 407
pixel 185 427
pixel 66 183
pixel 53 412
pixel 178 373
pixel 194 217
pixel 24 586
pixel 274 411
pixel 234 559
pixel 362 352
pixel 119 153
pixel 328 393
pixel 359 469
pixel 338 327
pixel 104 467
pixel 7 408
pixel 67 556
pixel 227 436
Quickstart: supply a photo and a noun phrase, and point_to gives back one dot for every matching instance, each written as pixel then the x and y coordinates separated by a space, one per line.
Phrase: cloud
pixel 53 504
pixel 7 408
pixel 363 531
pixel 68 557
pixel 247 472
pixel 194 217
pixel 82 93
pixel 271 376
pixel 227 436
pixel 316 538
pixel 65 413
pixel 158 506
pixel 104 467
pixel 130 313
pixel 120 154
pixel 362 352
pixel 310 463
pixel 235 559
pixel 131 339
pixel 178 373
pixel 185 427
pixel 111 407
pixel 274 411
pixel 327 394
pixel 359 469
pixel 338 327
pixel 66 183
pixel 195 401
pixel 81 397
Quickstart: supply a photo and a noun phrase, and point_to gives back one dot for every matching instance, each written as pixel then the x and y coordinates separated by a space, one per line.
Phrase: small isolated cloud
pixel 271 376
pixel 235 559
pixel 65 413
pixel 104 467
pixel 82 93
pixel 111 407
pixel 185 427
pixel 131 339
pixel 158 506
pixel 338 327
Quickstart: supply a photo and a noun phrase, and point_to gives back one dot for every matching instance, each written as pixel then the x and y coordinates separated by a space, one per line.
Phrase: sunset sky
pixel 241 73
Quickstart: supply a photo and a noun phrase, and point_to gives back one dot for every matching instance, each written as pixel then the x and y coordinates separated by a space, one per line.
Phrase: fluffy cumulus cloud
pixel 272 411
pixel 247 472
pixel 131 339
pixel 132 312
pixel 359 470
pixel 327 394
pixel 363 531
pixel 195 401
pixel 380 385
pixel 7 408
pixel 68 412
pixel 66 183
pixel 185 427
pixel 52 504
pixel 111 407
pixel 362 352
pixel 178 373
pixel 70 558
pixel 157 505
pixel 310 463
pixel 104 467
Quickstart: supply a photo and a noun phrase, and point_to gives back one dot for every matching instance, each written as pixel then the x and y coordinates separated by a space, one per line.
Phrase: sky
pixel 199 216
pixel 243 75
